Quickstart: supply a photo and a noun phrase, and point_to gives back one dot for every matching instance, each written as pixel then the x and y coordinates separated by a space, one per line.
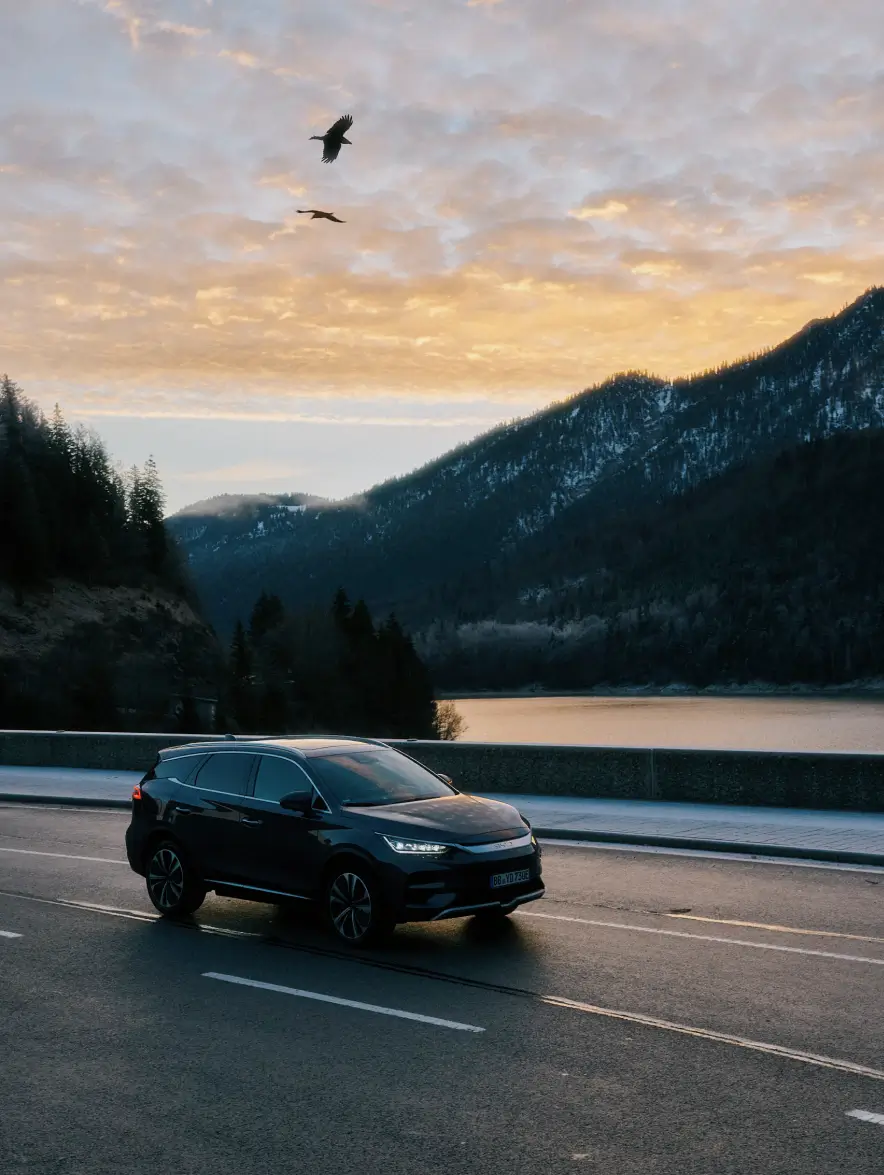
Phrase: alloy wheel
pixel 165 879
pixel 349 904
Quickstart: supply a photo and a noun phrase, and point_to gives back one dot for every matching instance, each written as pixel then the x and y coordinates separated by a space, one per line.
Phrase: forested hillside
pixel 66 511
pixel 773 572
pixel 572 520
pixel 100 627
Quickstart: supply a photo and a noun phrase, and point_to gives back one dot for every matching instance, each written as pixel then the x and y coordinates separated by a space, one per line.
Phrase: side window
pixel 181 768
pixel 277 778
pixel 226 771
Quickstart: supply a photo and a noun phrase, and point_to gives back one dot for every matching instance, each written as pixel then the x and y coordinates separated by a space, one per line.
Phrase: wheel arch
pixel 160 836
pixel 342 856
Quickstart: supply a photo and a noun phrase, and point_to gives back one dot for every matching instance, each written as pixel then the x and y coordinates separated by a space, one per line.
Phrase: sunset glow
pixel 538 194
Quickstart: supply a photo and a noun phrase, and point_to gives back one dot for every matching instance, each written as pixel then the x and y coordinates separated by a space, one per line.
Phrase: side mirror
pixel 445 778
pixel 297 801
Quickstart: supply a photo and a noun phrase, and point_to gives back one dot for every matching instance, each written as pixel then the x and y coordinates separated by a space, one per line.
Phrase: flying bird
pixel 334 138
pixel 316 214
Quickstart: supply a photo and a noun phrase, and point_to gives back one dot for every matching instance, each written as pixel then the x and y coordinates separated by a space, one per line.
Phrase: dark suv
pixel 361 828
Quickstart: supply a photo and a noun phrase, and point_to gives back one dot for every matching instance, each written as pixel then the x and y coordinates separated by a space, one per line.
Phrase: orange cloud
pixel 530 204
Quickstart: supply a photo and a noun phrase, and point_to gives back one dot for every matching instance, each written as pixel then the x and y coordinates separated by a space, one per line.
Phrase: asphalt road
pixel 654 1014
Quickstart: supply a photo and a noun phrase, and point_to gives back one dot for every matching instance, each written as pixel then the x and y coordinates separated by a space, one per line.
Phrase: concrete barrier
pixel 759 778
pixel 796 780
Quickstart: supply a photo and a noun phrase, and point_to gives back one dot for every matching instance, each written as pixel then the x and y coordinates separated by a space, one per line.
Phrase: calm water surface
pixel 763 724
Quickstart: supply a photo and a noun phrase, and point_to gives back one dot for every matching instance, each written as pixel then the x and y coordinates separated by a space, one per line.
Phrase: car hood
pixel 469 819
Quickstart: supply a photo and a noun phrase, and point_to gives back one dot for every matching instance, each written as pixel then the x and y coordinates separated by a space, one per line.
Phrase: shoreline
pixel 855 692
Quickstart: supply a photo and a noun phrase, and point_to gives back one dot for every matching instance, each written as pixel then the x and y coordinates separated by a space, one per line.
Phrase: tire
pixel 354 908
pixel 172 886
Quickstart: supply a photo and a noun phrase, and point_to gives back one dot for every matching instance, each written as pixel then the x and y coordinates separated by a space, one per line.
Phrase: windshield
pixel 377 776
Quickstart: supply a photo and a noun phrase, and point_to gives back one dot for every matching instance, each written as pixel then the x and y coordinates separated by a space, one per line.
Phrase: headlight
pixel 418 847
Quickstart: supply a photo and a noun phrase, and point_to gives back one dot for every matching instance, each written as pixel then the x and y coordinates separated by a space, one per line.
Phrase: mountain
pixel 476 534
pixel 772 572
pixel 238 517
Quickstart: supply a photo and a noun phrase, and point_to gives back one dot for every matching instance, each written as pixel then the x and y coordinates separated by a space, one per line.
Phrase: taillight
pixel 136 792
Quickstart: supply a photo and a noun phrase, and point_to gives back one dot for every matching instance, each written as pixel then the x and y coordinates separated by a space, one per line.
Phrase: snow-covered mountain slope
pixel 421 543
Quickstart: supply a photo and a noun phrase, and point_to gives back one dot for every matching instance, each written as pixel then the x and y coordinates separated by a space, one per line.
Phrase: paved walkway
pixel 839 836
pixel 844 836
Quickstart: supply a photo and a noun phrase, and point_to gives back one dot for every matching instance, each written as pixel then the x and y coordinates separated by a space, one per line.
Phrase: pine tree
pixel 267 614
pixel 240 655
pixel 341 610
pixel 410 706
pixel 145 512
pixel 241 690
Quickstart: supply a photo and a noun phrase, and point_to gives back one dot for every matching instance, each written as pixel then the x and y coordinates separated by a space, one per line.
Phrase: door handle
pixel 246 820
pixel 185 808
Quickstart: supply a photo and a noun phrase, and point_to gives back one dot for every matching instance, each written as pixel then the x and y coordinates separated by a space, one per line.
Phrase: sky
pixel 540 193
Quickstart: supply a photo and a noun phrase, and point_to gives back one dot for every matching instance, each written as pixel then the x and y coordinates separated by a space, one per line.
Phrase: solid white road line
pixel 866 1116
pixel 742 1042
pixel 63 856
pixel 730 942
pixel 331 999
pixel 132 915
pixel 8 934
pixel 774 927
pixel 708 854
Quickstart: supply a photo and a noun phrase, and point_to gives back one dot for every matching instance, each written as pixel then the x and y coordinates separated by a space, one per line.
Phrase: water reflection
pixel 763 724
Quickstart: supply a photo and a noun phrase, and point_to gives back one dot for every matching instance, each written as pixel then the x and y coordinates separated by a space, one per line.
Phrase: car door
pixel 285 848
pixel 209 808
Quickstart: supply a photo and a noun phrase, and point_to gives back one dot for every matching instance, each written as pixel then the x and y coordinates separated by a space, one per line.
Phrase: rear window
pixel 226 771
pixel 377 776
pixel 180 767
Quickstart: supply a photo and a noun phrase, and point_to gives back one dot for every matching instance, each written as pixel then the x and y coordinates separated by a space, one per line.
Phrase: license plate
pixel 501 879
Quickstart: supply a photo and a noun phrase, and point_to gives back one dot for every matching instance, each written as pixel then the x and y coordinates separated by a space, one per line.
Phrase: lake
pixel 733 723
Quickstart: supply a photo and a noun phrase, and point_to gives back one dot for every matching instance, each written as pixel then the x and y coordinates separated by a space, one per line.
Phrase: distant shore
pixel 849 692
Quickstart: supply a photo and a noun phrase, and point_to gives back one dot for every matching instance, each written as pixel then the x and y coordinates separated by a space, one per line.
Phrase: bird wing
pixel 340 128
pixel 336 219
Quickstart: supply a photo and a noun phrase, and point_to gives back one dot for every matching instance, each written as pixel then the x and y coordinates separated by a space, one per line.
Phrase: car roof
pixel 307 747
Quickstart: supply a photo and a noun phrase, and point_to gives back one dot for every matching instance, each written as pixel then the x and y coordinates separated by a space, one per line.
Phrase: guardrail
pixel 760 778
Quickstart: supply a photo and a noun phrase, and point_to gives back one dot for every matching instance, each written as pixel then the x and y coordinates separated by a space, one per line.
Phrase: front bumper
pixel 505 906
pixel 430 891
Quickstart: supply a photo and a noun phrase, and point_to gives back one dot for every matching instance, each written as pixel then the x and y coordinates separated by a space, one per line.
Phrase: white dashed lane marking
pixel 9 934
pixel 63 856
pixel 866 1116
pixel 331 999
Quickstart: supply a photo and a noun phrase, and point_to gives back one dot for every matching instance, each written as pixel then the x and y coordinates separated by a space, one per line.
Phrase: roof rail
pixel 351 738
pixel 356 738
pixel 244 738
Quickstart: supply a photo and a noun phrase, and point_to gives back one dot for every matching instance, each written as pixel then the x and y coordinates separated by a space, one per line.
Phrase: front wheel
pixel 354 907
pixel 172 885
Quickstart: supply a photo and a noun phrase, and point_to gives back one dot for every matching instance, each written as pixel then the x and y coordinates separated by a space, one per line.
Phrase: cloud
pixel 531 204
pixel 610 210
pixel 182 30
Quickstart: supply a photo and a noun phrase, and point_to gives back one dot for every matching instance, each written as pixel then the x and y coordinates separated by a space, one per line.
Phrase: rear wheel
pixel 354 907
pixel 172 885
